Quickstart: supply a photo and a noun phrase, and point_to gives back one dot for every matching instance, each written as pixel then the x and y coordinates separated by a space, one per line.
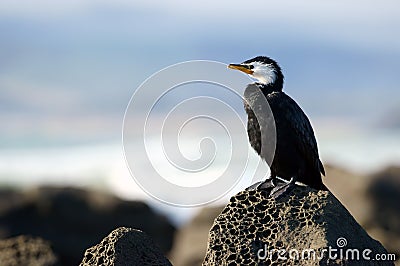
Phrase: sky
pixel 72 62
pixel 69 68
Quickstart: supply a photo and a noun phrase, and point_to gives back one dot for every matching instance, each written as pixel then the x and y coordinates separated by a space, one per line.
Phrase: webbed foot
pixel 283 188
pixel 268 184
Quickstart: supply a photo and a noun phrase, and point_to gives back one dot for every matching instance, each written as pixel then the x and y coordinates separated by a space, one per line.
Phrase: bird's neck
pixel 270 88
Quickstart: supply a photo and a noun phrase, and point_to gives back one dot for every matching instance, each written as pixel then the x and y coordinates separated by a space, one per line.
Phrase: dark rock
pixel 74 219
pixel 303 220
pixel 384 195
pixel 26 250
pixel 125 246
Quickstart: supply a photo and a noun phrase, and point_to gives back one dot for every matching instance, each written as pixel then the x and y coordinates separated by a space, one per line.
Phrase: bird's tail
pixel 323 187
pixel 321 167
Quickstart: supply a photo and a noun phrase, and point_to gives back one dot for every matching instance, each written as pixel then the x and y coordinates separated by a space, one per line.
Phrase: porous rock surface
pixel 305 219
pixel 26 250
pixel 125 246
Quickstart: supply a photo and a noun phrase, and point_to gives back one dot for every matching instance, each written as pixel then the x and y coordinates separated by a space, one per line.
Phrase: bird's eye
pixel 250 66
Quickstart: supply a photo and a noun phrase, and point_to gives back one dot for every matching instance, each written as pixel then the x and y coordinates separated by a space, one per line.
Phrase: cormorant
pixel 296 153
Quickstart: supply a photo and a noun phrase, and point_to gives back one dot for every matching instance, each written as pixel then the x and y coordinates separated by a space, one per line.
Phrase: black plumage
pixel 296 152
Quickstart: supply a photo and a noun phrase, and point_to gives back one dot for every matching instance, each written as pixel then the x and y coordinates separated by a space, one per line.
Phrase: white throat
pixel 264 74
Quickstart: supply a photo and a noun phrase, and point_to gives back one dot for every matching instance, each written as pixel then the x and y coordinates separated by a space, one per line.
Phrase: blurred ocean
pixel 102 165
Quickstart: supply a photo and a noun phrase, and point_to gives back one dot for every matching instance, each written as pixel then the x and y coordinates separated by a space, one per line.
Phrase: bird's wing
pixel 259 113
pixel 293 116
pixel 253 129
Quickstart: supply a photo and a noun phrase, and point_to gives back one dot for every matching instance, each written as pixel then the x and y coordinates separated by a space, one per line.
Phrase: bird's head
pixel 265 70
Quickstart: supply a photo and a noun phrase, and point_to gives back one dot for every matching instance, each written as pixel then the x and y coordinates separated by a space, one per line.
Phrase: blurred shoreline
pixel 103 166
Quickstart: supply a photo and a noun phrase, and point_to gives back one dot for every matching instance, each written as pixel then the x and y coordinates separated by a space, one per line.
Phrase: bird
pixel 272 113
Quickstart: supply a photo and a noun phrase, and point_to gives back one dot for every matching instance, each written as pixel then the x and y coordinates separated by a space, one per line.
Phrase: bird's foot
pixel 268 184
pixel 282 188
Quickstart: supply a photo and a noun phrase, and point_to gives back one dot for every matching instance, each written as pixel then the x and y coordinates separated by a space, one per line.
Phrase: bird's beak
pixel 244 68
